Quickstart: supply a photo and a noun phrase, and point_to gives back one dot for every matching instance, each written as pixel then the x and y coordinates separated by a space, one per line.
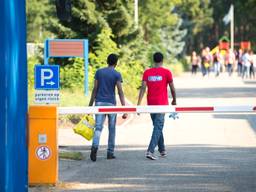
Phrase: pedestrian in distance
pixel 203 62
pixel 156 80
pixel 105 82
pixel 239 62
pixel 206 61
pixel 230 61
pixel 246 59
pixel 253 65
pixel 217 62
pixel 195 60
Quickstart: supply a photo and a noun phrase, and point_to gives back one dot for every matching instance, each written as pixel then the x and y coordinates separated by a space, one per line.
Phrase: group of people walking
pixel 156 79
pixel 241 61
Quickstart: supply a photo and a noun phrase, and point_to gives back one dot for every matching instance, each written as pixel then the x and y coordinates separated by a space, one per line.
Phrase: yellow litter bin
pixel 43 145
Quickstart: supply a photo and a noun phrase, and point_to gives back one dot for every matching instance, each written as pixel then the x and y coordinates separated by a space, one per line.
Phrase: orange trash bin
pixel 43 145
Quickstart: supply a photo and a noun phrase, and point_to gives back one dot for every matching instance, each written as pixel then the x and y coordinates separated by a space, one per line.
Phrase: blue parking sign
pixel 47 77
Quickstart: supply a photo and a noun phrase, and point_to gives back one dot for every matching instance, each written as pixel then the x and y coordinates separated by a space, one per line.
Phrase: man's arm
pixel 94 92
pixel 142 92
pixel 120 92
pixel 173 92
pixel 121 96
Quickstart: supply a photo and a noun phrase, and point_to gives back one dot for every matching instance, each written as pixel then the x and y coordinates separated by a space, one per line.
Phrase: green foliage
pixel 38 14
pixel 244 20
pixel 197 16
pixel 32 61
pixel 155 16
pixel 173 42
pixel 176 67
pixel 72 76
pixel 120 21
pixel 109 26
pixel 73 97
pixel 71 155
pixel 104 45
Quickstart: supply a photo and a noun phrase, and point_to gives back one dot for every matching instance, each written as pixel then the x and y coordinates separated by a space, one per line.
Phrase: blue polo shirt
pixel 107 79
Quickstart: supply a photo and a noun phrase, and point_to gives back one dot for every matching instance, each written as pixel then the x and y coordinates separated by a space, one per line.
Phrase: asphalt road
pixel 206 151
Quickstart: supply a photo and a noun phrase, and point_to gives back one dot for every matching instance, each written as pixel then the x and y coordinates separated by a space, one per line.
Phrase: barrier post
pixel 43 145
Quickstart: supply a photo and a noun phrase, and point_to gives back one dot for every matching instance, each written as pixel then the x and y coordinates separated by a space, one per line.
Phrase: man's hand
pixel 125 115
pixel 174 102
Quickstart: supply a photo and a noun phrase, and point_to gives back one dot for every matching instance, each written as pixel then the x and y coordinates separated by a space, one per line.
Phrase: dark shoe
pixel 111 156
pixel 163 154
pixel 93 154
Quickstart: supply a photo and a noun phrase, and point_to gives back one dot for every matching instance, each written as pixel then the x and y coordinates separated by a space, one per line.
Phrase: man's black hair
pixel 158 57
pixel 112 59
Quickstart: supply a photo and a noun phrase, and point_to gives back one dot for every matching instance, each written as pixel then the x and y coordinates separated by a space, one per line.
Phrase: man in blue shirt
pixel 105 81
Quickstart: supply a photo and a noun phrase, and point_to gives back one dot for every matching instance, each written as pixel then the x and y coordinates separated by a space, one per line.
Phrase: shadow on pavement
pixel 188 168
pixel 250 82
pixel 250 117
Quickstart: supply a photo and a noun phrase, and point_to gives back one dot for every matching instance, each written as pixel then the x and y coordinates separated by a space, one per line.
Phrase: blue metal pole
pixel 86 63
pixel 46 52
pixel 13 97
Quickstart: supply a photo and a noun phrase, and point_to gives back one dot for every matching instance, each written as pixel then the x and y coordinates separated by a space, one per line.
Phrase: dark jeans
pixel 157 137
pixel 194 69
pixel 230 69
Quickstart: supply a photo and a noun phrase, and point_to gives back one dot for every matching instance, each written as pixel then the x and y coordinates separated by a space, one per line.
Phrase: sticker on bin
pixel 43 152
pixel 42 138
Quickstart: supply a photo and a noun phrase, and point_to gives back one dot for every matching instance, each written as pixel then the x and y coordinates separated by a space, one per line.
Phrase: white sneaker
pixel 150 155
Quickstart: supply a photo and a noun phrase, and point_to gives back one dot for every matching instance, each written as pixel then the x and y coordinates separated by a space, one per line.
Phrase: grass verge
pixel 71 155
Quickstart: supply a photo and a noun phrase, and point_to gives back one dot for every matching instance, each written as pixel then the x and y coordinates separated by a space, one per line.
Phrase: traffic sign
pixel 47 77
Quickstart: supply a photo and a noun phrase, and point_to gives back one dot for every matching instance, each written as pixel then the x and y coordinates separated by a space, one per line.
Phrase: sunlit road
pixel 206 151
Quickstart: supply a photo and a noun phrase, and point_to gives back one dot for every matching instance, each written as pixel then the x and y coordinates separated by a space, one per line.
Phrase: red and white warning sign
pixel 43 152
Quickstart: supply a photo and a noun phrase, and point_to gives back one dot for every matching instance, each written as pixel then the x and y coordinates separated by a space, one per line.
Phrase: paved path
pixel 206 152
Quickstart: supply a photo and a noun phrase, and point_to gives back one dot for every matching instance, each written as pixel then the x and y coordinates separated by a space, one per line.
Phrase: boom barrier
pixel 154 109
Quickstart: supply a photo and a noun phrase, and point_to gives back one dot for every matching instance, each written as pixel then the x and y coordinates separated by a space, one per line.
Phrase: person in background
pixel 217 63
pixel 239 62
pixel 253 65
pixel 203 62
pixel 230 61
pixel 194 62
pixel 206 61
pixel 157 79
pixel 246 59
pixel 103 93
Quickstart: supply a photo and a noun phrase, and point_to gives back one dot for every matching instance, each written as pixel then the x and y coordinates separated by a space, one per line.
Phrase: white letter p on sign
pixel 46 74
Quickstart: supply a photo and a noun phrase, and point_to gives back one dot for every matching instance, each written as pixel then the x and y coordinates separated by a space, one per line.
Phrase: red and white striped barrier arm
pixel 153 109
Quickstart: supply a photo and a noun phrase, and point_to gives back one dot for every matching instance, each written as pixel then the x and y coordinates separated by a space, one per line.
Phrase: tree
pixel 197 16
pixel 244 22
pixel 38 13
pixel 155 15
pixel 174 41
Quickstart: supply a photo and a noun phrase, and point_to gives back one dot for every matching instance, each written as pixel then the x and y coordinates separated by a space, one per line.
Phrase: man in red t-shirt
pixel 157 79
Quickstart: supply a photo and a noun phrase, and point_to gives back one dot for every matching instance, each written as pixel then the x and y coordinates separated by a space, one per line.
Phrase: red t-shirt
pixel 157 80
